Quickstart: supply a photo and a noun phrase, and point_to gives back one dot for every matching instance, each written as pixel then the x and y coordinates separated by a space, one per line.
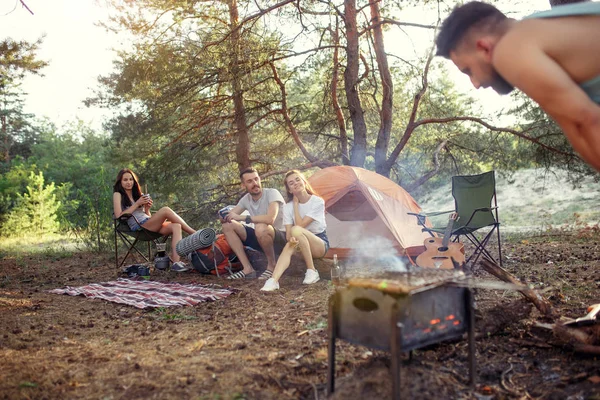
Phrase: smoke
pixel 372 256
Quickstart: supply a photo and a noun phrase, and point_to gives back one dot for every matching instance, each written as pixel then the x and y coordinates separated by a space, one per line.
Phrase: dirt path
pixel 256 345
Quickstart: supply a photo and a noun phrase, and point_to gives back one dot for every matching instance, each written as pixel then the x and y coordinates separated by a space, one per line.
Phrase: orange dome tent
pixel 365 207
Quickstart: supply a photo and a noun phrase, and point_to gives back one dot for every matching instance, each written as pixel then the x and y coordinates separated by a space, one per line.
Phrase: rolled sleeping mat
pixel 198 240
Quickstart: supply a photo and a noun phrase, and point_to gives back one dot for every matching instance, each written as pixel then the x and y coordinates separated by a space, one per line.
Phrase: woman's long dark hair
pixel 309 188
pixel 136 191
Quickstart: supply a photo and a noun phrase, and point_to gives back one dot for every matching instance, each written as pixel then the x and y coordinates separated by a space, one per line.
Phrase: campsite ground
pixel 256 345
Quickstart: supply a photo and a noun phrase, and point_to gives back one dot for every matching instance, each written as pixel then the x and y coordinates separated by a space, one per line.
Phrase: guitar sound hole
pixel 443 248
pixel 365 304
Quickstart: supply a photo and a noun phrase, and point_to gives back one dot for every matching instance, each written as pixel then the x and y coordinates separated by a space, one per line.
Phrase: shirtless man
pixel 552 56
pixel 267 236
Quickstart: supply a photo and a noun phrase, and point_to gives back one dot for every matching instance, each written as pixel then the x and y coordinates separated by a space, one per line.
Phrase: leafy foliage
pixel 17 135
pixel 35 212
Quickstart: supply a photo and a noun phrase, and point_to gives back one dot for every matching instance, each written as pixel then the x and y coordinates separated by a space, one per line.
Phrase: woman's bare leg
pixel 283 262
pixel 309 244
pixel 166 214
pixel 174 230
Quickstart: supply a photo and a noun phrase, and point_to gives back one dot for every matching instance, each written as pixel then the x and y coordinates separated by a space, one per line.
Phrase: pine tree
pixel 36 210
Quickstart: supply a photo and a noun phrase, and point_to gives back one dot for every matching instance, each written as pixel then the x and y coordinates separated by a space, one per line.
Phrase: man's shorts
pixel 252 241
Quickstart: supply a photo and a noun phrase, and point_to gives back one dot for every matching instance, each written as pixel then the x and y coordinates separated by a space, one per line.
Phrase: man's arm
pixel 577 136
pixel 269 218
pixel 523 63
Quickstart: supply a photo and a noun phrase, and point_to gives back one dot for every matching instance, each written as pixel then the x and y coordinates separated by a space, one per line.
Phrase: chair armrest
pixel 422 216
pixel 430 214
pixel 122 217
pixel 484 209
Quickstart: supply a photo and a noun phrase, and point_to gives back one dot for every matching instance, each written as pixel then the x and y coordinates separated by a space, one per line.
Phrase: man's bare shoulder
pixel 520 32
pixel 515 44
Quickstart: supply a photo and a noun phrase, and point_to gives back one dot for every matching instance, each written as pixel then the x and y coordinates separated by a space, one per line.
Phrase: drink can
pixel 224 211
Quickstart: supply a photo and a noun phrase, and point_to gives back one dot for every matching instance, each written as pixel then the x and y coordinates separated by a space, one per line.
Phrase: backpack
pixel 217 259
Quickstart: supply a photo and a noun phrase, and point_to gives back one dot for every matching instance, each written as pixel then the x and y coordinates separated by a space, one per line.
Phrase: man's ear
pixel 486 46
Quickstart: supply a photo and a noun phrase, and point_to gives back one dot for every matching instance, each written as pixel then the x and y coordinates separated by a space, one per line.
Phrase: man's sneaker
pixel 311 276
pixel 179 267
pixel 270 285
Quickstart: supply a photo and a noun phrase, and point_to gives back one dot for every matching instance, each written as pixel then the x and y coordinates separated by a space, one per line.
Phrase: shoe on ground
pixel 179 267
pixel 265 275
pixel 311 277
pixel 242 275
pixel 270 285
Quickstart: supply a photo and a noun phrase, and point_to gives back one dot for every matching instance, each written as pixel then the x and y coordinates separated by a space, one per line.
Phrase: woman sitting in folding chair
pixel 128 199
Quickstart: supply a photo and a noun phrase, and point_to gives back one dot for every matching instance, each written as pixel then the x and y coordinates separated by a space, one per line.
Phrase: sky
pixel 79 51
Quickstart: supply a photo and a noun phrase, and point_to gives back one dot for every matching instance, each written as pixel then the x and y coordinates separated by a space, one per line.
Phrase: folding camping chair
pixel 131 238
pixel 477 208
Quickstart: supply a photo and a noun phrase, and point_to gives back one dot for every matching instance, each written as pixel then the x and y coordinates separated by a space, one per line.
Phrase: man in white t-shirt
pixel 267 236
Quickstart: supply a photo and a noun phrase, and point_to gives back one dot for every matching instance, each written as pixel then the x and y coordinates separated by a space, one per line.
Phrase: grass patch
pixel 162 313
pixel 48 246
pixel 320 324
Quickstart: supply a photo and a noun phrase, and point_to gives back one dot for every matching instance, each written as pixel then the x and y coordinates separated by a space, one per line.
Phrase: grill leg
pixel 332 329
pixel 396 332
pixel 471 328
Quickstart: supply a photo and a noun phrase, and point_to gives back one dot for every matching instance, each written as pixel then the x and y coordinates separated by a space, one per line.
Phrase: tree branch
pixel 25 5
pixel 410 126
pixel 250 18
pixel 386 21
pixel 436 167
pixel 494 129
pixel 316 164
pixel 286 117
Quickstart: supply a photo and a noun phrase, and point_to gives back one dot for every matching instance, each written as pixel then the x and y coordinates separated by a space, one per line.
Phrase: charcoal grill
pixel 399 313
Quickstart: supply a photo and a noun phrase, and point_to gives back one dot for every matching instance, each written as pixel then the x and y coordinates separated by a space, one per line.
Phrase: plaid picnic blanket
pixel 144 294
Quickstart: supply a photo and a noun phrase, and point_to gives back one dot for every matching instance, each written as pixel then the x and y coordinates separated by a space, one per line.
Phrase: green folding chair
pixel 131 238
pixel 477 207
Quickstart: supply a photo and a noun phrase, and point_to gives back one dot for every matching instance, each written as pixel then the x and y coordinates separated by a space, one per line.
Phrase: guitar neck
pixel 448 231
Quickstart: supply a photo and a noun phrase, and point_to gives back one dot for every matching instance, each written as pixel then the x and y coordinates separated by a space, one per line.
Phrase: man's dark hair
pixel 248 170
pixel 461 20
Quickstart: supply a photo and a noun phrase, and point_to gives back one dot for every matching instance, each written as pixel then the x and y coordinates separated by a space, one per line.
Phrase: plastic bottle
pixel 336 272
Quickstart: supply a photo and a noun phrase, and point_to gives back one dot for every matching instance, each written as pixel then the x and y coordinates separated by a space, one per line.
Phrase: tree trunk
pixel 359 127
pixel 242 150
pixel 385 128
pixel 5 139
pixel 339 115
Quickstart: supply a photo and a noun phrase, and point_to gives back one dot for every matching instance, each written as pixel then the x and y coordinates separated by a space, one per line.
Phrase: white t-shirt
pixel 314 208
pixel 261 206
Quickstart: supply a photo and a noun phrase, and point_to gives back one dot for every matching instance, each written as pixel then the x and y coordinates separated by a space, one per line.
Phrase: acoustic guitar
pixel 439 252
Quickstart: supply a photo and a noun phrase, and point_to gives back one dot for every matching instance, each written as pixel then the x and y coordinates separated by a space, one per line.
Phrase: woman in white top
pixel 128 199
pixel 304 221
